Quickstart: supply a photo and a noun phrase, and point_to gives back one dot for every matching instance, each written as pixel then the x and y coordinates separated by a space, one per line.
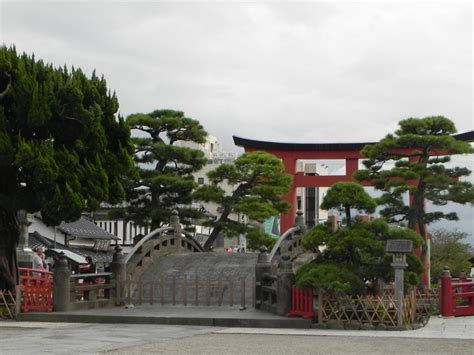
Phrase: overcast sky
pixel 303 72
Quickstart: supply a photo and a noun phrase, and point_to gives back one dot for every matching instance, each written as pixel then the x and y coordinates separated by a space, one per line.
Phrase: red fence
pixel 457 299
pixel 301 303
pixel 36 287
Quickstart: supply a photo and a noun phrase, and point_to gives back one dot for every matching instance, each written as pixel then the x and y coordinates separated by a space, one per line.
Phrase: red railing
pixel 301 303
pixel 457 299
pixel 36 287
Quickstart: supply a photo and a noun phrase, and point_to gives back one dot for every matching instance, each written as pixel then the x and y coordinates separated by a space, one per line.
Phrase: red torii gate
pixel 290 153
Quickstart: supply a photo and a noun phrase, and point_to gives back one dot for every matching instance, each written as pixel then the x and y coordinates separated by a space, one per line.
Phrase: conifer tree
pixel 63 148
pixel 165 169
pixel 419 149
pixel 353 256
pixel 259 182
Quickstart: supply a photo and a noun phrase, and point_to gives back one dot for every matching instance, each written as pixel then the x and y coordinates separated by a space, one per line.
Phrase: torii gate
pixel 290 153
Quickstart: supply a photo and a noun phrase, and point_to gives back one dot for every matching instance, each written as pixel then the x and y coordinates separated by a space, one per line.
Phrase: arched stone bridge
pixel 169 266
pixel 171 239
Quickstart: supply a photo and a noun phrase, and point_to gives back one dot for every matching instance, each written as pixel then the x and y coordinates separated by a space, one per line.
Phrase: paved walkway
pixel 241 321
pixel 223 316
pixel 437 328
pixel 440 336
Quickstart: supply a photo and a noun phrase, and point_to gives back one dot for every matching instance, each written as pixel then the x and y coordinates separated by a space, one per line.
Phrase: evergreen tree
pixel 447 249
pixel 259 182
pixel 62 147
pixel 419 149
pixel 348 195
pixel 165 169
pixel 354 255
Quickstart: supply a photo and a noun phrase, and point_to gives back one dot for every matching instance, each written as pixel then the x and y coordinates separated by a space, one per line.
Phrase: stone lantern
pixel 399 248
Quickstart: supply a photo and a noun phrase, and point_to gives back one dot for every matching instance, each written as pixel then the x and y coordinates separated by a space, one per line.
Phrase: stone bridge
pixel 169 266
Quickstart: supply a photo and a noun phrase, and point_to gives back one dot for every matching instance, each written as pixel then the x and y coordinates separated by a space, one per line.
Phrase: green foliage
pixel 419 149
pixel 330 277
pixel 63 148
pixel 257 238
pixel 166 181
pixel 447 249
pixel 355 255
pixel 348 195
pixel 259 182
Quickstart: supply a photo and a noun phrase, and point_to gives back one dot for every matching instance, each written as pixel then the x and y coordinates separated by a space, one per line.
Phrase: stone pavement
pixel 437 328
pixel 223 316
pixel 440 336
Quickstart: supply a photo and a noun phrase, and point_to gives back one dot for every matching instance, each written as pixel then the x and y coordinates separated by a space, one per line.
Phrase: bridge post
pixel 62 285
pixel 299 222
pixel 175 223
pixel 262 267
pixel 446 294
pixel 119 270
pixel 285 282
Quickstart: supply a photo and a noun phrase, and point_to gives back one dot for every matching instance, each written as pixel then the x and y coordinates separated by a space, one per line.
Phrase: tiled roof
pixel 36 240
pixel 251 143
pixel 82 228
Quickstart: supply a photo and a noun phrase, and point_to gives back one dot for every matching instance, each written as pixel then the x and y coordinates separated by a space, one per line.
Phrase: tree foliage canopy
pixel 447 249
pixel 348 195
pixel 419 149
pixel 165 168
pixel 355 255
pixel 63 148
pixel 259 182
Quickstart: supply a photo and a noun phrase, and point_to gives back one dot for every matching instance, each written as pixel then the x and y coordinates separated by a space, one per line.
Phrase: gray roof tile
pixel 82 228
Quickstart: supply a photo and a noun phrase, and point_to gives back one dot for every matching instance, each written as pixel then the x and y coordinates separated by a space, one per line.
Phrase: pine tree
pixel 165 169
pixel 354 255
pixel 419 150
pixel 259 182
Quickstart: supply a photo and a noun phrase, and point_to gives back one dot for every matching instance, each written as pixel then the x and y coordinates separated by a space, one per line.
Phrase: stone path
pixel 440 336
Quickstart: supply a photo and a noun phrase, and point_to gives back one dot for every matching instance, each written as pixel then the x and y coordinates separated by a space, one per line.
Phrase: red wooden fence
pixel 301 303
pixel 457 299
pixel 36 287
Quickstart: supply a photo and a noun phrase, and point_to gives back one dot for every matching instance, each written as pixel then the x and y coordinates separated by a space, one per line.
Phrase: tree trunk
pixel 348 215
pixel 217 229
pixel 9 232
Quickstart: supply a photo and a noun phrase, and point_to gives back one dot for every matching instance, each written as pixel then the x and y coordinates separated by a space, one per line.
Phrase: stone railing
pixel 81 291
pixel 289 242
pixel 183 289
pixel 160 242
pixel 273 290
